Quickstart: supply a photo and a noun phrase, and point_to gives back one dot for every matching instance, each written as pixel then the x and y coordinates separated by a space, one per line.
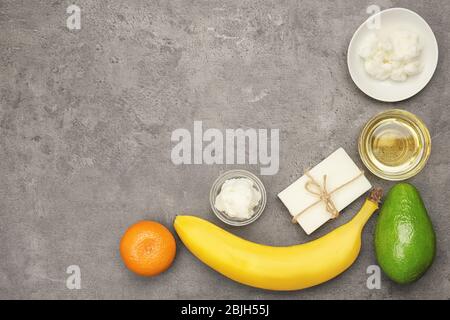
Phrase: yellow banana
pixel 277 268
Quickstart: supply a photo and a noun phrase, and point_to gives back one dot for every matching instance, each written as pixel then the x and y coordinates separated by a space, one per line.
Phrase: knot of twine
pixel 323 195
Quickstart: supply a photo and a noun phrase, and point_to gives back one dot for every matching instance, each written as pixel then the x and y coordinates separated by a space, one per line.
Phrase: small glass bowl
pixel 407 121
pixel 217 187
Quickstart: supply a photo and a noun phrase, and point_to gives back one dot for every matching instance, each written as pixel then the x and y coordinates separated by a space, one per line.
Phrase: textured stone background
pixel 86 118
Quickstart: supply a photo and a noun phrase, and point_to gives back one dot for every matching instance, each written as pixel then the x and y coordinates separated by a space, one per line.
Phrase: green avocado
pixel 405 242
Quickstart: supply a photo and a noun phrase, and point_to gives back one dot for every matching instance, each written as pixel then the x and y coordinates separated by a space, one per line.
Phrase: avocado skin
pixel 405 242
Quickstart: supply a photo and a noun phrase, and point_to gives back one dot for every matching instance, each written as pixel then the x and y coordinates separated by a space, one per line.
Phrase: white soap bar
pixel 339 168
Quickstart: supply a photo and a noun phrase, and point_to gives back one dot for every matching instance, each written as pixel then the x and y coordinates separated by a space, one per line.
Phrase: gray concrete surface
pixel 86 118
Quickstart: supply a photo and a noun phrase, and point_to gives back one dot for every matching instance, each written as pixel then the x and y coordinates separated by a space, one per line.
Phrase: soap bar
pixel 340 169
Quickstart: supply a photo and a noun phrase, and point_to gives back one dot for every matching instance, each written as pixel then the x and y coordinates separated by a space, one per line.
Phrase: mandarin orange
pixel 148 248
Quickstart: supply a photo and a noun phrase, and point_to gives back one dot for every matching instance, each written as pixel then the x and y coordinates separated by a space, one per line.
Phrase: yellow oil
pixel 395 145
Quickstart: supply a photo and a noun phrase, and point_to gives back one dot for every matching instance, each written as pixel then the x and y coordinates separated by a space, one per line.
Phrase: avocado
pixel 405 242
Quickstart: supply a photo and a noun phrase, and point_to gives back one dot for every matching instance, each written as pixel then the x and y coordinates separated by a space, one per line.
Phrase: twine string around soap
pixel 321 191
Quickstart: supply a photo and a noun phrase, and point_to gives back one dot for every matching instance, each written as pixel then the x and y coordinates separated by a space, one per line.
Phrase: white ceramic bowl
pixel 388 90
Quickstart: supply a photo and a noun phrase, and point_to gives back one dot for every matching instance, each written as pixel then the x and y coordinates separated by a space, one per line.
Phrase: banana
pixel 277 268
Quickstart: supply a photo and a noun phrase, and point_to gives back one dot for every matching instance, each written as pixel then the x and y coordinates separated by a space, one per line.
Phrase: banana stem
pixel 369 207
pixel 375 195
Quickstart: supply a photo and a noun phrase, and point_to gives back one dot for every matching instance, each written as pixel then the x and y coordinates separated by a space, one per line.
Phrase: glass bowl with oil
pixel 395 145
